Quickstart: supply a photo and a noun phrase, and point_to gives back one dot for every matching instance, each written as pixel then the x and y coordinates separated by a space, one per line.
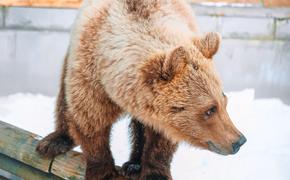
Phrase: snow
pixel 265 123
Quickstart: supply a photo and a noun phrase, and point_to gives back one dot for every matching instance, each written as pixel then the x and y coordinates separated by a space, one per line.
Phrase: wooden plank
pixel 69 166
pixel 228 1
pixel 42 3
pixel 5 174
pixel 21 171
pixel 20 145
pixel 277 3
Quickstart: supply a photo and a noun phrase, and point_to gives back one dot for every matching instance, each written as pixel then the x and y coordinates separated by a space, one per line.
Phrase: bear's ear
pixel 163 67
pixel 209 44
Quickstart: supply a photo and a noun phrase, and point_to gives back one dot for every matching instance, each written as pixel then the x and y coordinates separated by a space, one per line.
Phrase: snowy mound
pixel 265 123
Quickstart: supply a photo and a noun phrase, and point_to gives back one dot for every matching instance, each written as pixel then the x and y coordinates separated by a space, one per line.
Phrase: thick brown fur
pixel 145 58
pixel 157 155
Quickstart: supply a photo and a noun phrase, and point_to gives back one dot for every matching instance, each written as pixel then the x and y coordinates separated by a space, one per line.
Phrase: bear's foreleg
pixel 93 114
pixel 59 141
pixel 157 156
pixel 151 154
pixel 96 150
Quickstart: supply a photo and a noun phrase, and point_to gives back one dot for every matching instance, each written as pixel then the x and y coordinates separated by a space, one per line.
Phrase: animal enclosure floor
pixel 265 123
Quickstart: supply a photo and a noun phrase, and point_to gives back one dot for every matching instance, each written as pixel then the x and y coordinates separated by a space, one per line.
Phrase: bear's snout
pixel 227 149
pixel 236 145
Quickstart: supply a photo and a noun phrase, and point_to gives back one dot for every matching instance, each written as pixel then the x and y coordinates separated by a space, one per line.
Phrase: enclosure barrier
pixel 18 157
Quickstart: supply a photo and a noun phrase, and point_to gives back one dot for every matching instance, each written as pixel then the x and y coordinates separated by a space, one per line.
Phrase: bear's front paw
pixel 54 144
pixel 155 171
pixel 97 170
pixel 130 168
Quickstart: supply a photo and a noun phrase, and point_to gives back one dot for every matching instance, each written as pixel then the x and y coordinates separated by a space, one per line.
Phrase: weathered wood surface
pixel 21 171
pixel 228 1
pixel 69 166
pixel 42 3
pixel 19 145
pixel 277 3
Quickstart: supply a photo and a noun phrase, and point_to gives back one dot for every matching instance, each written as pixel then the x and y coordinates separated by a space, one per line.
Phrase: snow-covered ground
pixel 265 123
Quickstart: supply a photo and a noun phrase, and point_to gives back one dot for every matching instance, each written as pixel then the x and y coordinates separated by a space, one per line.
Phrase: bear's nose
pixel 236 146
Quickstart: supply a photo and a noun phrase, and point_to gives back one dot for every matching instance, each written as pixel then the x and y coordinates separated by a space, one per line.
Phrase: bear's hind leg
pixel 59 141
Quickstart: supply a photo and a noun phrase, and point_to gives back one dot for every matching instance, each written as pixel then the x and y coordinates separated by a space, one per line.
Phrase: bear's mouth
pixel 214 148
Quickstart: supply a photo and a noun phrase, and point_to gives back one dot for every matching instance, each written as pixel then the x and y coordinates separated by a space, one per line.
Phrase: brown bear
pixel 145 58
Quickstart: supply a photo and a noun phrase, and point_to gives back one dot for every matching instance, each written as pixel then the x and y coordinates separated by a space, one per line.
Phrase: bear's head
pixel 185 98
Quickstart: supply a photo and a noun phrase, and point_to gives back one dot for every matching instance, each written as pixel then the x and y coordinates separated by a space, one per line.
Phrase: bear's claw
pixel 130 168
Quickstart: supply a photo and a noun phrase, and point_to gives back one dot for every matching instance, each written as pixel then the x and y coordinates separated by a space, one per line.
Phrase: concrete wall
pixel 255 51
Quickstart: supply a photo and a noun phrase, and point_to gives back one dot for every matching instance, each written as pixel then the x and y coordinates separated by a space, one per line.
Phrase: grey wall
pixel 255 51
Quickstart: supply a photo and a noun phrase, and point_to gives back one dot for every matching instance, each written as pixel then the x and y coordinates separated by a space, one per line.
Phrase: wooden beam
pixel 17 147
pixel 277 3
pixel 22 171
pixel 69 166
pixel 20 145
pixel 42 3
pixel 228 1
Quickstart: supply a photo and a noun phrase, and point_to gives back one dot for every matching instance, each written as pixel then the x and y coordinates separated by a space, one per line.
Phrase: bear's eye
pixel 211 111
pixel 195 67
pixel 175 109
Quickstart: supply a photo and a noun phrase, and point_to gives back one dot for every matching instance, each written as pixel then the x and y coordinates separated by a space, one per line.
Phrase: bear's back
pixel 133 36
pixel 171 24
pixel 107 32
